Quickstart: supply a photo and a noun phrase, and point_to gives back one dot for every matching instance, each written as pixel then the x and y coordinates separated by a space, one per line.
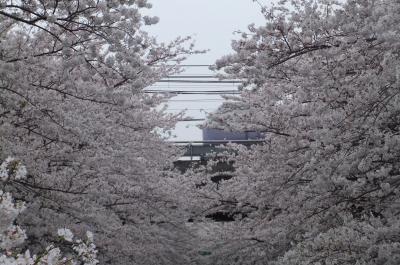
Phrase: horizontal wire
pixel 184 65
pixel 202 88
pixel 201 81
pixel 195 100
pixel 191 119
pixel 192 76
pixel 192 109
pixel 196 65
pixel 192 92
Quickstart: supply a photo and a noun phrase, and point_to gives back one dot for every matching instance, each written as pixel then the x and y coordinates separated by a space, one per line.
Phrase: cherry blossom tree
pixel 11 235
pixel 321 82
pixel 72 108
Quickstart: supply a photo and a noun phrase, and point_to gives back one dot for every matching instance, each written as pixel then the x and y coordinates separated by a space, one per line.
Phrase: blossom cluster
pixel 11 235
pixel 320 84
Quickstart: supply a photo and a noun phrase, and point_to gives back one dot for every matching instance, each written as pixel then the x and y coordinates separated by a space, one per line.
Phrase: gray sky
pixel 211 23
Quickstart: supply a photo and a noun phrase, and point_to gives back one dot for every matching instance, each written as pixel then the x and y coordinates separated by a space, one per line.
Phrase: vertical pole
pixel 191 151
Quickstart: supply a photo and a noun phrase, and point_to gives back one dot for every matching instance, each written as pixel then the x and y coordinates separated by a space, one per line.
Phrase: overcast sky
pixel 212 24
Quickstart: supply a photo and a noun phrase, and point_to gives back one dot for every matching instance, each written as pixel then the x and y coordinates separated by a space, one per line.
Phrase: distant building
pixel 221 135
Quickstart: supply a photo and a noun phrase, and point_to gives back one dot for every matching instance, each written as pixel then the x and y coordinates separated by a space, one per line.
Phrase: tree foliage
pixel 322 84
pixel 11 235
pixel 72 108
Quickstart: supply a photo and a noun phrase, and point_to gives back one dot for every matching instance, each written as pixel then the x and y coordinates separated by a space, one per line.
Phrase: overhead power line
pixel 196 65
pixel 217 142
pixel 201 81
pixel 192 119
pixel 185 65
pixel 196 100
pixel 193 92
pixel 201 109
pixel 191 76
pixel 191 87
